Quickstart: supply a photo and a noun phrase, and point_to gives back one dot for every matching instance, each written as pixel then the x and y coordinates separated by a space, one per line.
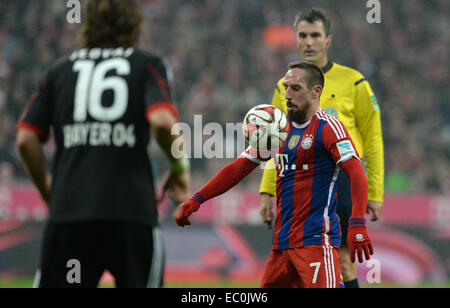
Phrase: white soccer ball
pixel 265 127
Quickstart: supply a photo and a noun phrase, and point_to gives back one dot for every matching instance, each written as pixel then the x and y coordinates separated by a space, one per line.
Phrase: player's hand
pixel 177 186
pixel 358 240
pixel 375 208
pixel 266 209
pixel 185 210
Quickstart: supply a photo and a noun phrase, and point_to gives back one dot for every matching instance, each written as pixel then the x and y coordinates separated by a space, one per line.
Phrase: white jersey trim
pixel 251 157
pixel 326 217
pixel 156 269
pixel 344 159
pixel 334 123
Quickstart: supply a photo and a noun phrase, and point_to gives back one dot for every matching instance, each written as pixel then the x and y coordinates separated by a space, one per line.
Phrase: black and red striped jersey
pixel 97 102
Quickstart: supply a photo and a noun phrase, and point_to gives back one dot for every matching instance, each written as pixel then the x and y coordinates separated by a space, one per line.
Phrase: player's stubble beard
pixel 299 115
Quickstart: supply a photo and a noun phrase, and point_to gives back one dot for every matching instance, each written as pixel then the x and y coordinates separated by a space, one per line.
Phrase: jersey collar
pixel 301 126
pixel 327 67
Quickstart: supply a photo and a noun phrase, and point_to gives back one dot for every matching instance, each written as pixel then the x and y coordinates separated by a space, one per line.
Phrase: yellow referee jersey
pixel 348 96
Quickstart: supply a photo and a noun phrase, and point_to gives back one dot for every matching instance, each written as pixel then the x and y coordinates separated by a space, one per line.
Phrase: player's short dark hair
pixel 110 24
pixel 313 15
pixel 315 75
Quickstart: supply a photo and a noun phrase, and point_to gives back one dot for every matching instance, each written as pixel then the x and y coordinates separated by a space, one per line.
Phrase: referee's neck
pixel 323 62
pixel 327 66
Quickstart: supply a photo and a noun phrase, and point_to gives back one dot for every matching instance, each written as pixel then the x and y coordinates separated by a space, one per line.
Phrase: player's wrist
pixel 180 165
pixel 355 222
pixel 198 198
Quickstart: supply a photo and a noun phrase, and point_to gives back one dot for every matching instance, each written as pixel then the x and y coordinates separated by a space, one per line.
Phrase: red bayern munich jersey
pixel 307 172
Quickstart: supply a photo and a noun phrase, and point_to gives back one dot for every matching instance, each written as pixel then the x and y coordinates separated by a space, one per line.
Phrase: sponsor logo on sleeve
pixel 332 111
pixel 375 102
pixel 345 148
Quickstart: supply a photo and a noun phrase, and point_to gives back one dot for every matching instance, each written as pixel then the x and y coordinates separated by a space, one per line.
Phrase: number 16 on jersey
pixel 92 83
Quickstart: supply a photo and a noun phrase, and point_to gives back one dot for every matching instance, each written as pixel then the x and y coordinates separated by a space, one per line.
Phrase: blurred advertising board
pixel 229 241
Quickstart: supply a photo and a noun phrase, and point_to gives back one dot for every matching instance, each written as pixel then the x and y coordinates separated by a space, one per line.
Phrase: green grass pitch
pixel 28 283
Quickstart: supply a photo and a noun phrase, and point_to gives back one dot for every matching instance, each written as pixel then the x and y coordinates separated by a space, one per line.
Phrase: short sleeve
pixel 157 88
pixel 337 141
pixel 37 113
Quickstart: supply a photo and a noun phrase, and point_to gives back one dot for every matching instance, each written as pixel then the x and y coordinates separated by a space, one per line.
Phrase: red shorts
pixel 305 267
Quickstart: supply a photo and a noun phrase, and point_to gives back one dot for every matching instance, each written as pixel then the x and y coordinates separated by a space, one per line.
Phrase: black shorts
pixel 344 206
pixel 76 255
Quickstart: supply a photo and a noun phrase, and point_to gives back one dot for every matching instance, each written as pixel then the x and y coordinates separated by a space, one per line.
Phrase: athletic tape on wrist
pixel 181 165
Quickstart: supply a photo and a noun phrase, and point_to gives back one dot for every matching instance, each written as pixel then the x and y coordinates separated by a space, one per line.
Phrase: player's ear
pixel 329 40
pixel 317 91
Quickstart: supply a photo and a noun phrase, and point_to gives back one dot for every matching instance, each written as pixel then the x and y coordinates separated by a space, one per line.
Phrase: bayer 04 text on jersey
pixel 98 134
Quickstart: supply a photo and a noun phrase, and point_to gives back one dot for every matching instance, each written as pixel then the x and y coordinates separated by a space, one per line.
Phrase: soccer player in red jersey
pixel 348 96
pixel 307 233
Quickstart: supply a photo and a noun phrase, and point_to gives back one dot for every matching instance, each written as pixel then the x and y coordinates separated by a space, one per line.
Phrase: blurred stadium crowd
pixel 223 65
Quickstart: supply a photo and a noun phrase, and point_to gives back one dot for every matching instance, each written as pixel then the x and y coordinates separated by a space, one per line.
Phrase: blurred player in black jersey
pixel 102 103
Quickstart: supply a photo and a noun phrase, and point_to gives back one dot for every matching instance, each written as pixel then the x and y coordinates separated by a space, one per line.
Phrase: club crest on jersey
pixel 293 142
pixel 307 142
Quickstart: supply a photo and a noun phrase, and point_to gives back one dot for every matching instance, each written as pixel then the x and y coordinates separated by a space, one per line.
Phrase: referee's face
pixel 312 42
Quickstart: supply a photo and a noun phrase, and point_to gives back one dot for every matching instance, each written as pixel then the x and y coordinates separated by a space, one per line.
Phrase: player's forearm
pixel 165 139
pixel 359 186
pixel 33 159
pixel 162 122
pixel 226 178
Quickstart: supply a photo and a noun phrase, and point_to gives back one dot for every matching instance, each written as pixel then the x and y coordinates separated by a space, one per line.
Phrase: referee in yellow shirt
pixel 348 96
